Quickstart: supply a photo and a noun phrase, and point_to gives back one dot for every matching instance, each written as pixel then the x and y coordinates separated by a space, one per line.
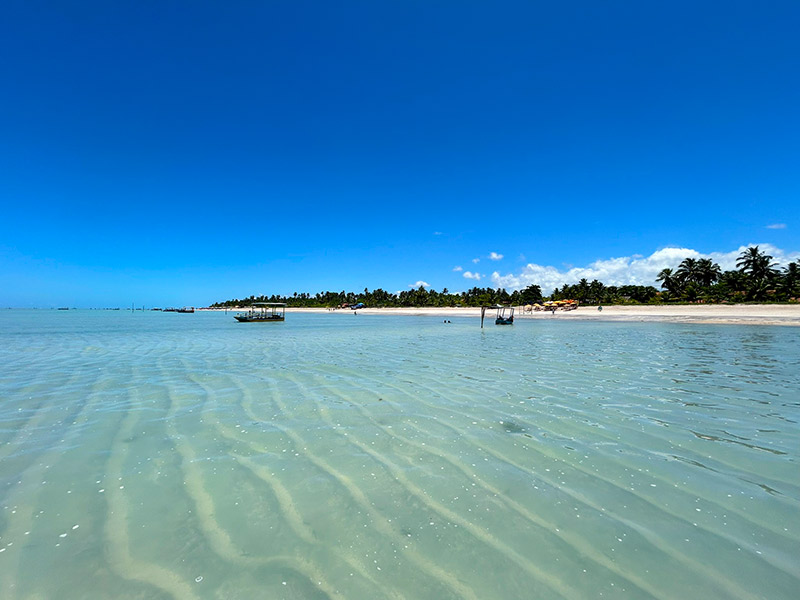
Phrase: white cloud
pixel 476 260
pixel 626 270
pixel 458 269
pixel 495 256
pixel 777 226
pixel 437 233
pixel 471 275
pixel 420 283
pixel 727 260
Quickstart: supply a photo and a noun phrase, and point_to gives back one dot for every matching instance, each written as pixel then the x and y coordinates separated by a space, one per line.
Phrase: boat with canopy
pixel 505 314
pixel 263 312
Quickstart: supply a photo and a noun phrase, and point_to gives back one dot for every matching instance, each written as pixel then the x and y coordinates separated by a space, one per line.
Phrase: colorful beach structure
pixel 552 305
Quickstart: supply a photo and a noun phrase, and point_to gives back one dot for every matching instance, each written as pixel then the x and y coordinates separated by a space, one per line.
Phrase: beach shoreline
pixel 732 314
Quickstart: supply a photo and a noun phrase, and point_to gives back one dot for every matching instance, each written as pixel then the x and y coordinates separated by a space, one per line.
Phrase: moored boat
pixel 505 314
pixel 263 312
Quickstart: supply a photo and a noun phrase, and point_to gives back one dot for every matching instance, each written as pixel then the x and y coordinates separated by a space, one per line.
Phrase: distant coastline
pixel 694 281
pixel 738 314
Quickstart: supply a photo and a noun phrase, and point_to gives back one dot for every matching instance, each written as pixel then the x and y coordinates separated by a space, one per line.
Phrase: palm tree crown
pixel 708 272
pixel 688 271
pixel 755 263
pixel 668 280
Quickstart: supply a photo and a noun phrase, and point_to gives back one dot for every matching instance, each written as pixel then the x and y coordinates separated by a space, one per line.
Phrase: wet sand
pixel 740 314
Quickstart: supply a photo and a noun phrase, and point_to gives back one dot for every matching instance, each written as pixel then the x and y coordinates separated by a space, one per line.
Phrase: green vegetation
pixel 598 293
pixel 756 280
pixel 381 298
pixel 693 280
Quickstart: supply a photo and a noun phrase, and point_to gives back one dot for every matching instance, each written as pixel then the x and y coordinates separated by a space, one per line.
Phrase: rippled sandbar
pixel 162 455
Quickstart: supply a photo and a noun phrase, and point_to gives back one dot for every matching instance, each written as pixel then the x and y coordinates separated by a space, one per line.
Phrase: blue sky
pixel 187 152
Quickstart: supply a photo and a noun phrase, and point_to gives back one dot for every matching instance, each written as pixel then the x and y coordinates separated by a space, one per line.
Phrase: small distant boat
pixel 263 312
pixel 505 314
pixel 186 309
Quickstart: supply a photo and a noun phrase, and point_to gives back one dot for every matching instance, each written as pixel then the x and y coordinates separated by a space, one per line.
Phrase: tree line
pixel 756 279
pixel 380 298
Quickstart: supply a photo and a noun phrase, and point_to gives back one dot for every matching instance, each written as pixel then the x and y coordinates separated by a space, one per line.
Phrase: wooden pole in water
pixel 483 312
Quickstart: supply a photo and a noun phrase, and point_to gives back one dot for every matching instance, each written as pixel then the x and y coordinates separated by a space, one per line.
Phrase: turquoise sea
pixel 157 455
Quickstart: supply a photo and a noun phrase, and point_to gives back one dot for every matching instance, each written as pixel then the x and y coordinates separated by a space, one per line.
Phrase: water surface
pixel 164 455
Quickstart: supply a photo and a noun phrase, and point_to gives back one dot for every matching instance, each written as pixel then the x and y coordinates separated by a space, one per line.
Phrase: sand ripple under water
pixel 154 455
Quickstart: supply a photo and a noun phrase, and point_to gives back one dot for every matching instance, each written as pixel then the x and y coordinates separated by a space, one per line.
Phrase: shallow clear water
pixel 163 455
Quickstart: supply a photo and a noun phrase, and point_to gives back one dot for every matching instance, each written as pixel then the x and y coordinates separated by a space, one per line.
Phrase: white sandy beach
pixel 756 314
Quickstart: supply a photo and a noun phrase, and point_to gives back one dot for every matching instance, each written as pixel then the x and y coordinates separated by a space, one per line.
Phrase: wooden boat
pixel 505 314
pixel 263 312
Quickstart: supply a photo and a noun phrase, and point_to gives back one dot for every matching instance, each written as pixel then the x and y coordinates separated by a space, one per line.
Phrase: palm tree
pixel 669 281
pixel 757 264
pixel 596 291
pixel 790 280
pixel 531 294
pixel 582 291
pixel 759 269
pixel 708 272
pixel 758 289
pixel 691 292
pixel 687 271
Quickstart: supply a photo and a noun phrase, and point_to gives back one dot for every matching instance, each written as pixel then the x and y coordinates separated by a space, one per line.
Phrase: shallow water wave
pixel 162 455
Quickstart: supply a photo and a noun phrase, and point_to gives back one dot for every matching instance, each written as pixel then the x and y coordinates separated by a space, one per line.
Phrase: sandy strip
pixel 755 314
